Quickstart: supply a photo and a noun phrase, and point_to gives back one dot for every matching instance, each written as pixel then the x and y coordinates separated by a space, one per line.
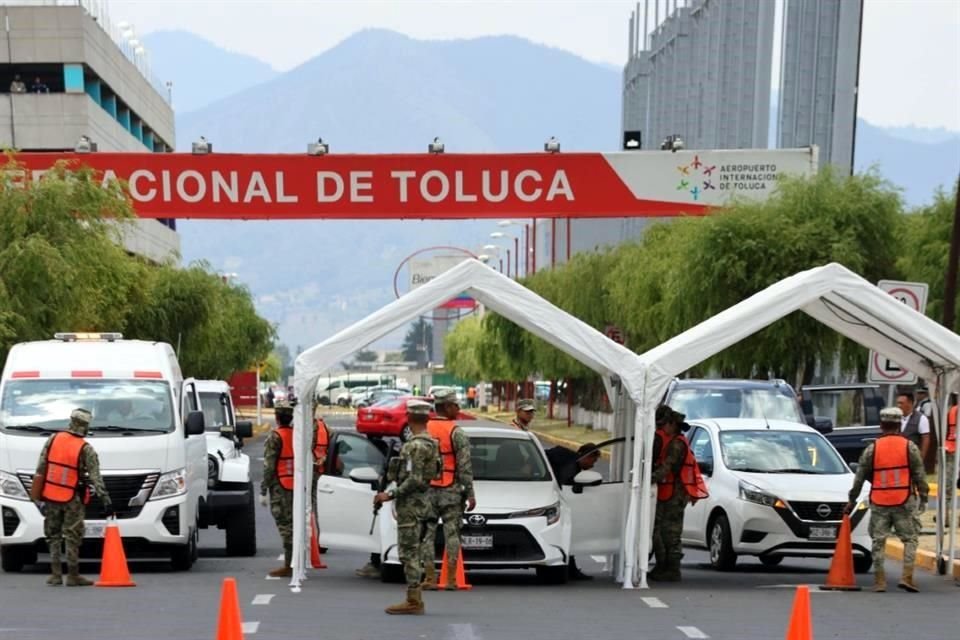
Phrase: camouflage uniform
pixel 902 520
pixel 281 500
pixel 668 522
pixel 63 522
pixel 448 503
pixel 417 464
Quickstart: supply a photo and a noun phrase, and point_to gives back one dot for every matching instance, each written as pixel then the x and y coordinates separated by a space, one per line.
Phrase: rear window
pixel 507 460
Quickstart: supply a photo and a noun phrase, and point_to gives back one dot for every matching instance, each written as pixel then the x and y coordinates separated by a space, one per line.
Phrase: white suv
pixel 523 518
pixel 777 489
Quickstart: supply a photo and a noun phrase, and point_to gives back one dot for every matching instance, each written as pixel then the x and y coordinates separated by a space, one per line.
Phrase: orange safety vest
pixel 323 441
pixel 950 442
pixel 63 468
pixel 890 486
pixel 441 430
pixel 690 475
pixel 285 461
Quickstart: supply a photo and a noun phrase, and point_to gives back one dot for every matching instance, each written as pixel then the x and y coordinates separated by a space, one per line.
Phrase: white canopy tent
pixel 491 289
pixel 835 296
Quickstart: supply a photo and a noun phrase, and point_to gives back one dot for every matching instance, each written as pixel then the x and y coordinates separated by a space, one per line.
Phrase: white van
pixel 147 430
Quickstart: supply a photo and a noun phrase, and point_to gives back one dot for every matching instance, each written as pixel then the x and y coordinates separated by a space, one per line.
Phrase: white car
pixel 777 490
pixel 523 518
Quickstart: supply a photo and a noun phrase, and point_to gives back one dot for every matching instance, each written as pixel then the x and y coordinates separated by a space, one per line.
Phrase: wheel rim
pixel 716 542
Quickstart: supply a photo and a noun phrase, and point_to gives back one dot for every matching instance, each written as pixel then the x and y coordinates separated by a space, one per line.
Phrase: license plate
pixel 477 542
pixel 93 530
pixel 823 533
pixel 369 416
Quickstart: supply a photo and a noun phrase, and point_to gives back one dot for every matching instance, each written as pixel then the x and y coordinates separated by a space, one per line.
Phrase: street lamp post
pixel 516 250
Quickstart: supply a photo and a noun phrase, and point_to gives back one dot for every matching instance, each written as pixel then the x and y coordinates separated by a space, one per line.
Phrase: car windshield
pixel 769 451
pixel 507 460
pixel 705 402
pixel 125 405
pixel 214 407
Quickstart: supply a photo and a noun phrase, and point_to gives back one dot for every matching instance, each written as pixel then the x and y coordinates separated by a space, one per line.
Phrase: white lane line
pixel 693 632
pixel 464 632
pixel 262 598
pixel 655 603
pixel 250 628
pixel 281 557
pixel 270 578
pixel 259 459
pixel 599 559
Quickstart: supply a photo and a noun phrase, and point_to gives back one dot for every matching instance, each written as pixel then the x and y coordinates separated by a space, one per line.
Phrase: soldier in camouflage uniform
pixel 906 486
pixel 448 501
pixel 63 521
pixel 278 481
pixel 668 521
pixel 417 464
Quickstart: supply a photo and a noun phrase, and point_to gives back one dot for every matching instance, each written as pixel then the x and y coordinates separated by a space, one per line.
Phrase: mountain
pixel 379 92
pixel 926 135
pixel 201 72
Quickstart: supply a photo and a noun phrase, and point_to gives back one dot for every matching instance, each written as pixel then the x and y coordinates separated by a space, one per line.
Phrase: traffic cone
pixel 840 577
pixel 315 560
pixel 461 578
pixel 800 626
pixel 113 568
pixel 230 624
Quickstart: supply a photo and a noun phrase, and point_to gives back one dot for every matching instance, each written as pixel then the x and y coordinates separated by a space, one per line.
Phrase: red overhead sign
pixel 543 185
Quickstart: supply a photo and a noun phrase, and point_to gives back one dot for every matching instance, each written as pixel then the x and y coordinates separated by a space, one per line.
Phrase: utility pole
pixel 950 284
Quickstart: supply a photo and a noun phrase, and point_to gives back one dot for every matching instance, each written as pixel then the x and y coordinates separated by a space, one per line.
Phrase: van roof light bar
pixel 81 337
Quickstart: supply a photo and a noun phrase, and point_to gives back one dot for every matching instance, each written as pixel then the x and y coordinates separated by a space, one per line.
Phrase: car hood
pixel 801 487
pixel 116 453
pixel 507 497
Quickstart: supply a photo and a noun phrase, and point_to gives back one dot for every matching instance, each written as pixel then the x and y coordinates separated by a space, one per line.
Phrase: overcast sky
pixel 910 61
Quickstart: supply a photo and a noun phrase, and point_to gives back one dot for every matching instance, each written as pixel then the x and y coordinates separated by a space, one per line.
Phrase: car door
pixel 597 513
pixel 345 507
pixel 196 446
pixel 695 518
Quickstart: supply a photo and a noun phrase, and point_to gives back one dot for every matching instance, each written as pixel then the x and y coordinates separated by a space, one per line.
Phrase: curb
pixel 553 440
pixel 925 559
pixel 934 489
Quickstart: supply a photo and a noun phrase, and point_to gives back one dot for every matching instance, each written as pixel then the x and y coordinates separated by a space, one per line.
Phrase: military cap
pixel 282 405
pixel 445 396
pixel 666 414
pixel 81 415
pixel 526 405
pixel 891 414
pixel 419 407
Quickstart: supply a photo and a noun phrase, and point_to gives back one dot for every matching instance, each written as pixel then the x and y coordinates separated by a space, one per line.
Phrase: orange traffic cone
pixel 840 577
pixel 461 578
pixel 315 560
pixel 113 568
pixel 800 626
pixel 230 624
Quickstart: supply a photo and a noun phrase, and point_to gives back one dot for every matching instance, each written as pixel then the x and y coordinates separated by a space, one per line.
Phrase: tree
pixel 418 343
pixel 365 356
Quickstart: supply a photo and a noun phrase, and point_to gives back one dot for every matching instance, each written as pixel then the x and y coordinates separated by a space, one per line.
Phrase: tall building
pixel 67 72
pixel 702 72
pixel 818 77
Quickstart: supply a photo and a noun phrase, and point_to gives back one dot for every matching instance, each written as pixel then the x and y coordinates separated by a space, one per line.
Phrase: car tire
pixel 771 561
pixel 720 544
pixel 392 573
pixel 241 530
pixel 183 556
pixel 553 575
pixel 863 563
pixel 406 433
pixel 13 559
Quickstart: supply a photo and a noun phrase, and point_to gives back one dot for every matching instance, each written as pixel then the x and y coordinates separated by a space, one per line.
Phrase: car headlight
pixel 211 471
pixel 11 487
pixel 551 513
pixel 752 493
pixel 170 484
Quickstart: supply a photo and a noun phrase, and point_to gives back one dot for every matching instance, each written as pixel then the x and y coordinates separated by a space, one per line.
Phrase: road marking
pixel 270 578
pixel 599 559
pixel 693 632
pixel 655 603
pixel 259 459
pixel 250 628
pixel 464 632
pixel 281 557
pixel 262 598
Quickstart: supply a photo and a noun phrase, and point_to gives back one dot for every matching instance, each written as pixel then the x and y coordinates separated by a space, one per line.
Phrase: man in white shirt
pixel 914 425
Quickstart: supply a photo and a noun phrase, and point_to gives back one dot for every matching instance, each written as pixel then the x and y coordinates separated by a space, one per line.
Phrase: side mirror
pixel 706 467
pixel 244 429
pixel 586 478
pixel 196 424
pixel 823 425
pixel 365 475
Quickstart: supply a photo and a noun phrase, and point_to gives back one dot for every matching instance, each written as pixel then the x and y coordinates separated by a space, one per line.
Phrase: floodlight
pixel 552 145
pixel 318 148
pixel 436 146
pixel 202 147
pixel 85 145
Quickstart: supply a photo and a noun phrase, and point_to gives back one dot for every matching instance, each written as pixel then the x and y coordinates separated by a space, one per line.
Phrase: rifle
pixel 390 474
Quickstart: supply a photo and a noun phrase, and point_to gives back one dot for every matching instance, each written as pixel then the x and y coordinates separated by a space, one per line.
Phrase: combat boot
pixel 670 572
pixel 74 579
pixel 906 581
pixel 412 606
pixel 429 577
pixel 282 572
pixel 879 582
